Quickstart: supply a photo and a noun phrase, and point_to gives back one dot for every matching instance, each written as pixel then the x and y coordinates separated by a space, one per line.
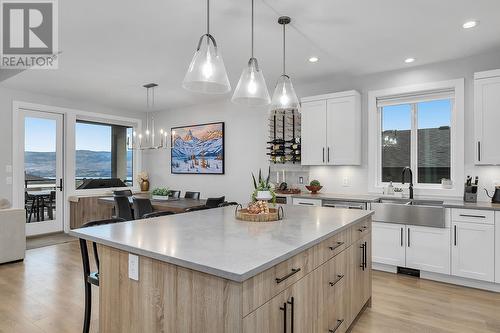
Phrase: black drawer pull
pixel 477 216
pixel 292 272
pixel 339 322
pixel 306 203
pixel 339 277
pixel 336 246
pixel 363 228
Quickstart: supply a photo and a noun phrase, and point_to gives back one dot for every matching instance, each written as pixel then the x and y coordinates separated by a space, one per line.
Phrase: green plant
pixel 262 184
pixel 315 183
pixel 161 191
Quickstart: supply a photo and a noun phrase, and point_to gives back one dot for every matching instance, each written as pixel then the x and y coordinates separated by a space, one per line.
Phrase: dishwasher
pixel 344 204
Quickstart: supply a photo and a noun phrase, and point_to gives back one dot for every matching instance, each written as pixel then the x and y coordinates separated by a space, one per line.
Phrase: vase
pixel 264 195
pixel 145 185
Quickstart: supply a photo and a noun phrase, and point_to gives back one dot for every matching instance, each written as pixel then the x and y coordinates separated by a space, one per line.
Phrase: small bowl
pixel 314 189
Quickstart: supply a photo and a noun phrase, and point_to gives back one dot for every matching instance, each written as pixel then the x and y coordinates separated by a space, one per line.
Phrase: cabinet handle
pixel 328 155
pixel 339 277
pixel 291 302
pixel 283 308
pixel 475 216
pixel 366 255
pixel 363 228
pixel 339 322
pixel 362 247
pixel 336 246
pixel 402 237
pixel 455 234
pixel 306 203
pixel 479 151
pixel 292 272
pixel 408 237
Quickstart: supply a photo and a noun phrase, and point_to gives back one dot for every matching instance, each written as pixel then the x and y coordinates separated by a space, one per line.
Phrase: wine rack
pixel 284 137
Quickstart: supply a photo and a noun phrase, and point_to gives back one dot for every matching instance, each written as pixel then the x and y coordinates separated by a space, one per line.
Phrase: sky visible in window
pixel 432 114
pixel 40 135
pixel 93 137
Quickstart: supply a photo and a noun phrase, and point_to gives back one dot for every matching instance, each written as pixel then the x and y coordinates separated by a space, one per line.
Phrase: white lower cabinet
pixel 428 249
pixel 497 247
pixel 307 202
pixel 388 241
pixel 473 251
pixel 423 248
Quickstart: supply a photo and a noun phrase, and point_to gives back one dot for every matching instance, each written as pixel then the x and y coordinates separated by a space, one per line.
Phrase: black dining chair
pixel 51 205
pixel 29 206
pixel 143 209
pixel 192 195
pixel 195 209
pixel 122 208
pixel 214 202
pixel 91 278
pixel 174 194
pixel 228 203
pixel 122 193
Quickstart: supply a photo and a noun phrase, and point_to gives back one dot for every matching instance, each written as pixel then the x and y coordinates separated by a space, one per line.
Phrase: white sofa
pixel 12 234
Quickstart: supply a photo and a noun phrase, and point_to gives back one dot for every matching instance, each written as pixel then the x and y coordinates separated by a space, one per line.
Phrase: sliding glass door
pixel 43 171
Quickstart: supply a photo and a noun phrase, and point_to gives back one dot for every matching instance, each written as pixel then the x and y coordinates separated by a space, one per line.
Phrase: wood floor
pixel 45 294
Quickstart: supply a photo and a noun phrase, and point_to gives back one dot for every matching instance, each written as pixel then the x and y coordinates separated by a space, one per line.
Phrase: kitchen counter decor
pixel 259 212
pixel 314 186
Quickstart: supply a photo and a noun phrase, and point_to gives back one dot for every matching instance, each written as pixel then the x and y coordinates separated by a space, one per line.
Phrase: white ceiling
pixel 110 48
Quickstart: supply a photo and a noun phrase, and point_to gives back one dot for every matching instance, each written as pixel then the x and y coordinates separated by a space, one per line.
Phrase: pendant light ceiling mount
pixel 284 20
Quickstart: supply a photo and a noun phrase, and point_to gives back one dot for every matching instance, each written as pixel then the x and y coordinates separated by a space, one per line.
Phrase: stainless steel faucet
pixel 411 179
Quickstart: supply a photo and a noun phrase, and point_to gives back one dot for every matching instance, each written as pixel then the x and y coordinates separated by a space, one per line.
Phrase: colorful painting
pixel 198 149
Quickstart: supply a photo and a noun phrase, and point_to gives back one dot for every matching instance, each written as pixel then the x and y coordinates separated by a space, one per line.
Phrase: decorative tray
pixel 275 214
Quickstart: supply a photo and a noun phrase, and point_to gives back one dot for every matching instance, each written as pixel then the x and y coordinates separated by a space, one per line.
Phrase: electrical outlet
pixel 346 181
pixel 133 267
pixel 8 168
pixel 301 180
pixel 8 180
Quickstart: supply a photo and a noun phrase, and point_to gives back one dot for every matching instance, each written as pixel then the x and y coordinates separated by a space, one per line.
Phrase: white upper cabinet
pixel 487 116
pixel 331 129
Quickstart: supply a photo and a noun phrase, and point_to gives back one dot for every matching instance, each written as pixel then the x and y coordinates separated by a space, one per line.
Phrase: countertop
pixel 447 203
pixel 214 242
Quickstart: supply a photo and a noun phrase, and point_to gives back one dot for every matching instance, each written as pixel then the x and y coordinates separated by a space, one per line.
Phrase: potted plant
pixel 263 190
pixel 314 186
pixel 143 180
pixel 160 193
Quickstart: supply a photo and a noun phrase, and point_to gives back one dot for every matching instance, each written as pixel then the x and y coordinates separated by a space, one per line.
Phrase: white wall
pixel 332 177
pixel 245 150
pixel 9 95
pixel 246 131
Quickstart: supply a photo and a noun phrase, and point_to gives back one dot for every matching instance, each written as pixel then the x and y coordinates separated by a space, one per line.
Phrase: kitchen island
pixel 206 271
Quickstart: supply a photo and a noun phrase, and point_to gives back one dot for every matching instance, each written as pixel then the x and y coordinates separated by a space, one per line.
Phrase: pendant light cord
pixel 208 17
pixel 284 49
pixel 252 28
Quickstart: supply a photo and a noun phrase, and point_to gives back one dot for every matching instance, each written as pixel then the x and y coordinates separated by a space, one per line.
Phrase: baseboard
pixel 484 285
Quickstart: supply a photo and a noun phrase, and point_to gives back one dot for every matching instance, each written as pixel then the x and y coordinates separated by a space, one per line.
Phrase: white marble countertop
pixel 213 241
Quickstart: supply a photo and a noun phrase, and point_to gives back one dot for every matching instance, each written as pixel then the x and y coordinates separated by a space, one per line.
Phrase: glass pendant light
pixel 284 97
pixel 207 73
pixel 251 88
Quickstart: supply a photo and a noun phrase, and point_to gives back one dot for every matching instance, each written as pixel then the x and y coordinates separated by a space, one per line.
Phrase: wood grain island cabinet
pixel 322 287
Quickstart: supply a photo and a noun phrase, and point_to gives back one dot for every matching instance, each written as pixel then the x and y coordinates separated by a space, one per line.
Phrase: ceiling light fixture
pixel 207 73
pixel 284 97
pixel 138 141
pixel 313 59
pixel 470 24
pixel 409 60
pixel 251 88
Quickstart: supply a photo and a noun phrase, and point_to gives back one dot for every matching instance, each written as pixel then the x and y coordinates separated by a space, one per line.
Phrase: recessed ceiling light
pixel 409 60
pixel 313 59
pixel 470 24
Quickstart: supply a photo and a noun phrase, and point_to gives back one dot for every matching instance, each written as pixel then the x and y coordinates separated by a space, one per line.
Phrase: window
pixel 416 132
pixel 103 158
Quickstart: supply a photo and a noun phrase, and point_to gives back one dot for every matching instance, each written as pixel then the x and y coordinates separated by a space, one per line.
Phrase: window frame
pixel 456 137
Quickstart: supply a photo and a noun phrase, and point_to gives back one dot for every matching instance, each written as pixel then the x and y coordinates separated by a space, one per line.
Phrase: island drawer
pixel 360 229
pixel 473 216
pixel 329 248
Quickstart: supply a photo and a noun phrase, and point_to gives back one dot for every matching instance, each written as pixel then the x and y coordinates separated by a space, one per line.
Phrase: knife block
pixel 470 193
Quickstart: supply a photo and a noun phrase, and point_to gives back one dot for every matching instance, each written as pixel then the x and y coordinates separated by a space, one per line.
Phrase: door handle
pixel 402 237
pixel 479 151
pixel 323 154
pixel 339 277
pixel 291 302
pixel 408 237
pixel 366 255
pixel 455 234
pixel 60 187
pixel 362 247
pixel 475 216
pixel 283 308
pixel 328 155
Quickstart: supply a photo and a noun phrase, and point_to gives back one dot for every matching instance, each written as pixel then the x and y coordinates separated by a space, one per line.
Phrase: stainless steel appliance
pixel 427 213
pixel 344 204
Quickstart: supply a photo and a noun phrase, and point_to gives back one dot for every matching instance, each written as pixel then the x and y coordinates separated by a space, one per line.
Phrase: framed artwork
pixel 198 149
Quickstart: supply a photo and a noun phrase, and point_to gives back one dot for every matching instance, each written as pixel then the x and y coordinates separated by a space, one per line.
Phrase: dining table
pixel 174 205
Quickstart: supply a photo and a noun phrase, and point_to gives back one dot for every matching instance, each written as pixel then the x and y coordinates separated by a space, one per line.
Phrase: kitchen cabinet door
pixel 270 317
pixel 360 275
pixel 487 119
pixel 473 251
pixel 389 243
pixel 497 247
pixel 313 132
pixel 343 131
pixel 303 304
pixel 428 249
